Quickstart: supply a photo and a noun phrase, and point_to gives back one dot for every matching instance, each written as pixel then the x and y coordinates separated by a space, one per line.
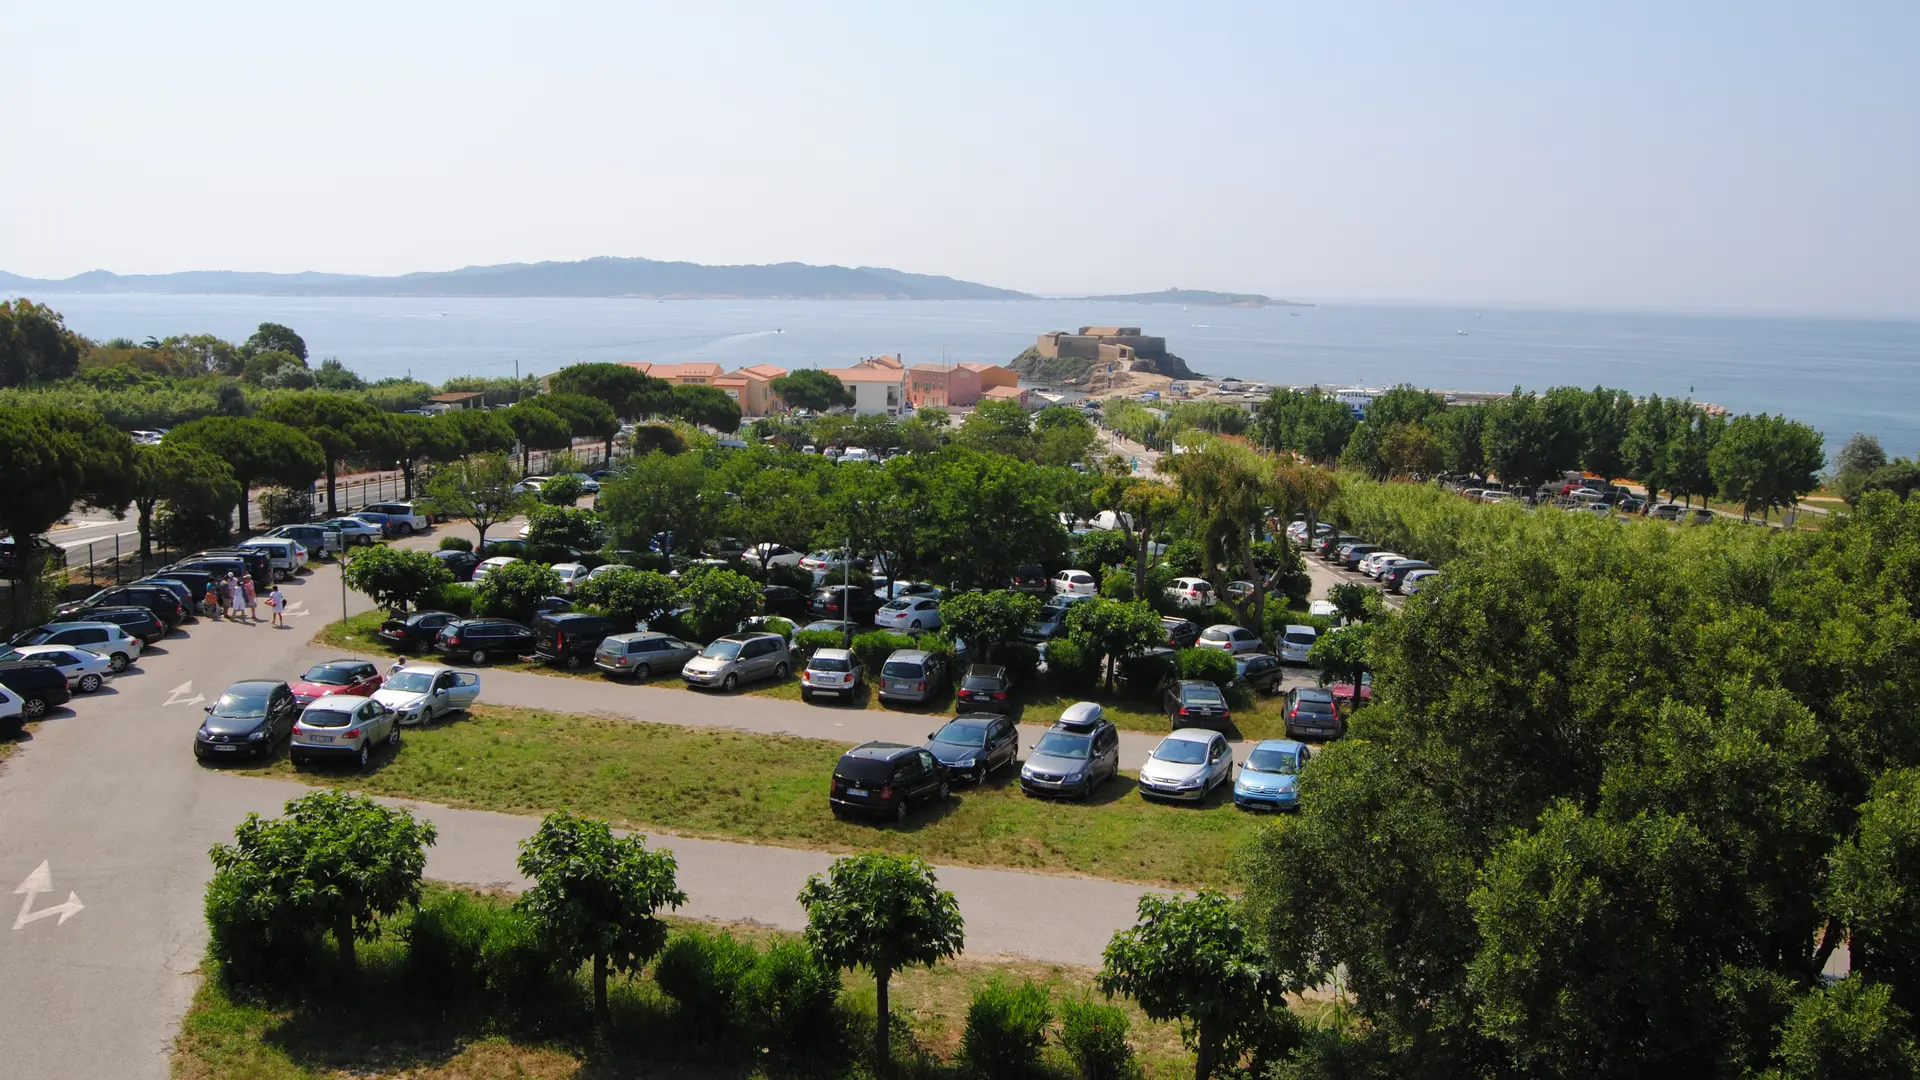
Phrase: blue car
pixel 1271 776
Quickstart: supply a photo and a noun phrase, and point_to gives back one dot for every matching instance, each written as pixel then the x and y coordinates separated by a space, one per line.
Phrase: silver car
pixel 343 726
pixel 1296 642
pixel 642 655
pixel 1070 762
pixel 830 671
pixel 423 693
pixel 910 675
pixel 738 658
pixel 1187 765
pixel 110 640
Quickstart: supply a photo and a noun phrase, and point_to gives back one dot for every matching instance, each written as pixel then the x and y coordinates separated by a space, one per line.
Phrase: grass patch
pixel 772 789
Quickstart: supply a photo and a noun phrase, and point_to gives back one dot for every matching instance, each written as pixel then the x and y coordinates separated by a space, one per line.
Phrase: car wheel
pixel 479 657
pixel 393 734
pixel 916 625
pixel 806 696
pixel 366 755
pixel 946 790
pixel 89 683
pixel 295 760
pixel 780 670
pixel 33 708
pixel 900 810
pixel 573 663
pixel 643 672
pixel 404 529
pixel 117 662
pixel 731 682
pixel 280 574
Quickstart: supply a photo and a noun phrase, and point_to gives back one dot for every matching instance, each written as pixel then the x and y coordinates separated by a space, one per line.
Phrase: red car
pixel 1343 692
pixel 336 677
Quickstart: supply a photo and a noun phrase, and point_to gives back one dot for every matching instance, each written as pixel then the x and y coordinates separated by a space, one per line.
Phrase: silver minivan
pixel 910 675
pixel 738 658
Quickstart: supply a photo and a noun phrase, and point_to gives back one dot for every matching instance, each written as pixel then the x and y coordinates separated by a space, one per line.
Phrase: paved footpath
pixel 105 822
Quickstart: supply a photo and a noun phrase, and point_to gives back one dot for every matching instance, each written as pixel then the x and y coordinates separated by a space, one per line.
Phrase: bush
pixel 184 529
pixel 774 624
pixel 1095 1037
pixel 792 577
pixel 1187 556
pixel 808 642
pixel 1117 584
pixel 251 946
pixel 454 597
pixel 873 648
pixel 705 974
pixel 455 543
pixel 1019 658
pixel 1213 665
pixel 1006 1028
pixel 284 506
pixel 562 491
pixel 511 591
pixel 1069 667
pixel 1144 677
pixel 445 942
pixel 647 438
pixel 790 999
pixel 521 970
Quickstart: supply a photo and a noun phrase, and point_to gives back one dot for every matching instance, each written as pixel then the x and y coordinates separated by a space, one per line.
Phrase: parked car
pixel 1239 590
pixel 342 726
pixel 831 626
pixel 423 693
pixel 1229 638
pixel 174 584
pixel 911 613
pixel 39 685
pixel 1260 671
pixel 257 562
pixel 895 590
pixel 1700 515
pixel 1396 576
pixel 1196 703
pixel 347 676
pixel 13 713
pixel 886 780
pixel 854 604
pixel 460 564
pixel 1187 765
pixel 1331 544
pixel 285 558
pixel 569 639
pixel 404 517
pixel 1270 779
pixel 1352 554
pixel 1347 695
pixel 488 566
pixel 1296 642
pixel 1310 711
pixel 643 654
pixel 834 672
pixel 985 687
pixel 1416 580
pixel 137 621
pixel 320 542
pixel 161 601
pixel 1030 578
pixel 415 631
pixel 772 555
pixel 356 530
pixel 481 640
pixel 1181 633
pixel 827 562
pixel 1369 564
pixel 1052 622
pixel 530 485
pixel 1075 583
pixel 1666 512
pixel 103 639
pixel 912 676
pixel 972 745
pixel 248 720
pixel 784 601
pixel 1322 609
pixel 83 671
pixel 738 658
pixel 1190 592
pixel 1074 757
pixel 571 575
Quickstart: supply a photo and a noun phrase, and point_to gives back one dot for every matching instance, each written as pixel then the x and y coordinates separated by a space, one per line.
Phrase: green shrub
pixel 445 941
pixel 1006 1028
pixel 1117 584
pixel 873 648
pixel 562 491
pixel 511 591
pixel 1187 556
pixel 520 969
pixel 645 560
pixel 792 577
pixel 455 598
pixel 252 947
pixel 1019 658
pixel 790 1001
pixel 1094 1035
pixel 284 506
pixel 455 543
pixel 808 642
pixel 705 975
pixel 1213 665
pixel 774 624
pixel 1069 667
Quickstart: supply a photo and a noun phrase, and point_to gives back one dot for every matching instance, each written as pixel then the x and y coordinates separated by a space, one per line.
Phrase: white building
pixel 879 385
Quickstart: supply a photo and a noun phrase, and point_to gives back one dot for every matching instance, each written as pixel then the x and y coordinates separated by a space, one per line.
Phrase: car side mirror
pixel 209 709
pixel 931 734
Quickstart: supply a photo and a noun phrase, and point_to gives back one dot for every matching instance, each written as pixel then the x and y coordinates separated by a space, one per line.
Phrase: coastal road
pixel 105 822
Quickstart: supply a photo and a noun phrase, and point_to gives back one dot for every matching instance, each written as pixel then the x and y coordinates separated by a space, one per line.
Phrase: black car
pixel 1260 671
pixel 180 589
pixel 569 638
pixel 136 621
pixel 249 720
pixel 972 745
pixel 259 563
pixel 986 687
pixel 458 563
pixel 1394 577
pixel 1197 703
pixel 479 640
pixel 852 603
pixel 216 566
pixel 413 631
pixel 157 599
pixel 1031 578
pixel 196 581
pixel 39 684
pixel 1330 546
pixel 1181 633
pixel 784 601
pixel 1310 711
pixel 886 780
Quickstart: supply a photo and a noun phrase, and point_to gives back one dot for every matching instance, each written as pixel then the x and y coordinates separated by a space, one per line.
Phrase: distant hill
pixel 589 277
pixel 1195 297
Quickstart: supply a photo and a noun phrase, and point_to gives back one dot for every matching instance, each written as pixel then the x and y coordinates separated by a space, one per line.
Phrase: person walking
pixel 235 601
pixel 210 603
pixel 277 603
pixel 225 597
pixel 253 600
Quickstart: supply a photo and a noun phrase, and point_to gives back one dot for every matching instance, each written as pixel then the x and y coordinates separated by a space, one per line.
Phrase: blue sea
pixel 1839 375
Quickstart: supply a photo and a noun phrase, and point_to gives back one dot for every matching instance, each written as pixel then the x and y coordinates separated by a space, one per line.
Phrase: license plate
pixel 225 749
pixel 860 791
pixel 319 738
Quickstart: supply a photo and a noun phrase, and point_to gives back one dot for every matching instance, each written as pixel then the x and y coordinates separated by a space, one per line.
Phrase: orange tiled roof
pixel 762 371
pixel 1003 392
pixel 867 374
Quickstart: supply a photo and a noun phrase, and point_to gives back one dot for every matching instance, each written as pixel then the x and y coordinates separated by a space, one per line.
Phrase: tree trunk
pixel 330 503
pixel 526 452
pixel 1204 1053
pixel 246 494
pixel 1829 941
pixel 608 463
pixel 482 530
pixel 146 528
pixel 343 931
pixel 882 1043
pixel 406 478
pixel 601 1015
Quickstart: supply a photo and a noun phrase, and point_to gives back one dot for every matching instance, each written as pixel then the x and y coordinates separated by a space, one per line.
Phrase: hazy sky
pixel 1755 156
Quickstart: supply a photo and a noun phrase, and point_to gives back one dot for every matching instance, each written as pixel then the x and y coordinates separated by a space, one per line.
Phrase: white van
pixel 406 520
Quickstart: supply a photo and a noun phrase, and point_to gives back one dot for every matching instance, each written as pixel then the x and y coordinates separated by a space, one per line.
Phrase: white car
pixel 1187 765
pixel 1075 583
pixel 530 485
pixel 772 554
pixel 1296 642
pixel 909 613
pixel 13 711
pixel 423 693
pixel 894 590
pixel 285 555
pixel 855 453
pixel 488 566
pixel 571 575
pixel 353 530
pixel 1381 566
pixel 1323 609
pixel 1228 638
pixel 1190 592
pixel 85 672
pixel 1370 565
pixel 1416 580
pixel 406 520
pixel 110 640
pixel 606 568
pixel 818 561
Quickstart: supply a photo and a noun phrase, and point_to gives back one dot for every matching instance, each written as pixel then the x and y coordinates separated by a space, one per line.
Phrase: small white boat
pixel 1462 333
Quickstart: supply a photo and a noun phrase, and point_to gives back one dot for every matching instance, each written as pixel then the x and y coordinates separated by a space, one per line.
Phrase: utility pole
pixel 846 599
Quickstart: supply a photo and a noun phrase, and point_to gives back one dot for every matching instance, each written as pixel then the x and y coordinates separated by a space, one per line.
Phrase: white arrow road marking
pixel 178 695
pixel 298 608
pixel 41 880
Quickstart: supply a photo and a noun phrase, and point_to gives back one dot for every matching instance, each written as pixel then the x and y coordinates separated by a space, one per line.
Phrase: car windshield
pixel 33 637
pixel 411 682
pixel 1300 639
pixel 722 650
pixel 902 669
pixel 1181 752
pixel 1061 744
pixel 1201 695
pixel 234 703
pixel 326 718
pixel 963 735
pixel 980 682
pixel 830 663
pixel 1273 761
pixel 1215 635
pixel 329 675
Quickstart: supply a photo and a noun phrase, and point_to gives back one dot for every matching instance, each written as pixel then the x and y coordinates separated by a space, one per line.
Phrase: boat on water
pixel 1462 333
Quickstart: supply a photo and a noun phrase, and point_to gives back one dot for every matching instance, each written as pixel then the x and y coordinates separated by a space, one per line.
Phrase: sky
pixel 1752 156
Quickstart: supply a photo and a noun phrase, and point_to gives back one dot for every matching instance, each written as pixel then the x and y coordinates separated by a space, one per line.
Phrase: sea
pixel 1839 375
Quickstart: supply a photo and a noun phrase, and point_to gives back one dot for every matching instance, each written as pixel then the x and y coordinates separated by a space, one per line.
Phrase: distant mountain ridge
pixel 1199 297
